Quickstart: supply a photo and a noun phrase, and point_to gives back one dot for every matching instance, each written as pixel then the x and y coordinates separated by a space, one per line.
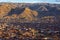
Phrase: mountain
pixel 42 8
pixel 29 12
pixel 27 15
pixel 5 9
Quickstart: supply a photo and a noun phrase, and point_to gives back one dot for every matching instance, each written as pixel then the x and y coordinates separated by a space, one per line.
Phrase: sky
pixel 32 1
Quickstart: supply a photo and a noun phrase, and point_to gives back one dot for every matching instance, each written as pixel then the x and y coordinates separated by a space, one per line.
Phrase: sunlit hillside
pixel 5 8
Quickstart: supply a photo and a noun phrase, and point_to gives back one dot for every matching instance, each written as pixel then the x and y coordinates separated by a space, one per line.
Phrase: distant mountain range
pixel 30 12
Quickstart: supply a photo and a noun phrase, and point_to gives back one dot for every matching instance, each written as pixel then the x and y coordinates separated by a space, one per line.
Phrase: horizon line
pixel 30 2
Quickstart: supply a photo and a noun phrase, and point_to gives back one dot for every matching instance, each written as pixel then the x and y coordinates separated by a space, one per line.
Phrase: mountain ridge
pixel 29 11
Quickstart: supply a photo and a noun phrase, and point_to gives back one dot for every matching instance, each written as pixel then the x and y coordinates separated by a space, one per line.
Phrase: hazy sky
pixel 32 1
